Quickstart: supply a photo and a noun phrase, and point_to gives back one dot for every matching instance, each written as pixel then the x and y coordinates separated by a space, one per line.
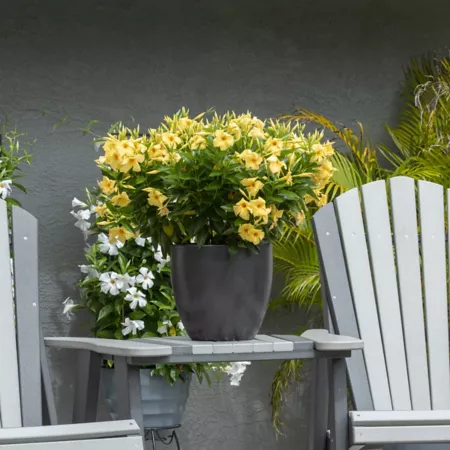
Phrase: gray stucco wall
pixel 112 60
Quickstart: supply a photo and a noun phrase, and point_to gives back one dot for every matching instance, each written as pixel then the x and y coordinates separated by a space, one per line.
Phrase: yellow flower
pixel 119 234
pixel 233 129
pixel 121 200
pixel 154 151
pixel 242 209
pixel 155 197
pixel 107 185
pixel 322 151
pixel 223 140
pixel 274 145
pixel 252 159
pixel 198 142
pixel 300 218
pixel 322 200
pixel 163 211
pixel 323 175
pixel 275 215
pixel 275 165
pixel 257 123
pixel 253 185
pixel 185 122
pixel 101 210
pixel 125 146
pixel 256 133
pixel 258 208
pixel 113 157
pixel 250 233
pixel 170 139
pixel 131 160
pixel 288 178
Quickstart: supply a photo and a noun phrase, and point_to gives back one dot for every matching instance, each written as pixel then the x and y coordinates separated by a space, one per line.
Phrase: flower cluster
pixel 231 179
pixel 125 283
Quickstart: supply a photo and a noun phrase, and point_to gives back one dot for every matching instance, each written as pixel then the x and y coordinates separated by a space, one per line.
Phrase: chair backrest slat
pixel 10 410
pixel 353 237
pixel 432 233
pixel 379 236
pixel 25 253
pixel 339 299
pixel 404 218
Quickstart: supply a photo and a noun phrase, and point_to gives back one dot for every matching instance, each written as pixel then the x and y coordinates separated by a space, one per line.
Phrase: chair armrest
pixel 109 346
pixel 324 341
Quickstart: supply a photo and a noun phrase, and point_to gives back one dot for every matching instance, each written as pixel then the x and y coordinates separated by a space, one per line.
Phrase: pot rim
pixel 216 245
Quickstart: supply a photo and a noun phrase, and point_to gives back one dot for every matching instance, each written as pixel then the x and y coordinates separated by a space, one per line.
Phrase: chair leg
pixel 318 418
pixel 48 400
pixel 338 405
pixel 86 387
pixel 127 384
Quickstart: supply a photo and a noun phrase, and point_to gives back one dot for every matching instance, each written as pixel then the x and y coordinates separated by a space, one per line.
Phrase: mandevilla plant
pixel 126 286
pixel 231 179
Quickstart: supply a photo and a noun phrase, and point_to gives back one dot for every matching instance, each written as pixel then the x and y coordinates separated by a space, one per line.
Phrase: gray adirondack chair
pixel 24 367
pixel 383 255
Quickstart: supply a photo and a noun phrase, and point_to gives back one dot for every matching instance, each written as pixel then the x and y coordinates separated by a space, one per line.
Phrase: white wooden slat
pixel 432 233
pixel 379 236
pixel 399 418
pixel 58 433
pixel 279 345
pixel 397 435
pixel 25 255
pixel 10 411
pixel 354 242
pixel 222 348
pixel 124 443
pixel 262 346
pixel 404 220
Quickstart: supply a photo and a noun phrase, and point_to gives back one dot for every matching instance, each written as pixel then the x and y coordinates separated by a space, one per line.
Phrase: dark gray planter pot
pixel 221 297
pixel 163 404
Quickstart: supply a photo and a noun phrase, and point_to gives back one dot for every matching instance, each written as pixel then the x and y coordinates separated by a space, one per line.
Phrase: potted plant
pixel 215 191
pixel 126 286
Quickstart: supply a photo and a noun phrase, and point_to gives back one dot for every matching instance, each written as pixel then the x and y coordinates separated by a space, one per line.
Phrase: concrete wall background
pixel 117 59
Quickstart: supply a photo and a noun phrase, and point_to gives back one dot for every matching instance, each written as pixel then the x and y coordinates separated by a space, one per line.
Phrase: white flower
pixel 149 240
pixel 5 188
pixel 161 260
pixel 82 217
pixel 132 326
pixel 145 278
pixel 110 283
pixel 91 272
pixel 236 371
pixel 68 306
pixel 76 203
pixel 180 325
pixel 135 298
pixel 106 246
pixel 140 241
pixel 126 281
pixel 163 328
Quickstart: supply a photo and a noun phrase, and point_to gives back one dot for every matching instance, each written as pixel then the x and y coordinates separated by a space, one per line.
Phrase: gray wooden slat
pixel 404 219
pixel 127 384
pixel 353 237
pixel 432 233
pixel 338 401
pixel 109 346
pixel 339 297
pixel 324 341
pixel 399 418
pixel 124 443
pixel 86 387
pixel 397 435
pixel 279 345
pixel 300 343
pixel 48 397
pixel 379 236
pixel 10 410
pixel 25 254
pixel 61 433
pixel 179 347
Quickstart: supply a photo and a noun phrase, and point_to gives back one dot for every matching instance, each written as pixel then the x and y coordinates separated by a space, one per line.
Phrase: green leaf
pixel 149 334
pixel 105 311
pixel 289 195
pixel 137 315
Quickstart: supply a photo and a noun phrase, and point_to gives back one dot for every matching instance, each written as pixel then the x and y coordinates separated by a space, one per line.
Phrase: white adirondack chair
pixel 384 263
pixel 23 363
